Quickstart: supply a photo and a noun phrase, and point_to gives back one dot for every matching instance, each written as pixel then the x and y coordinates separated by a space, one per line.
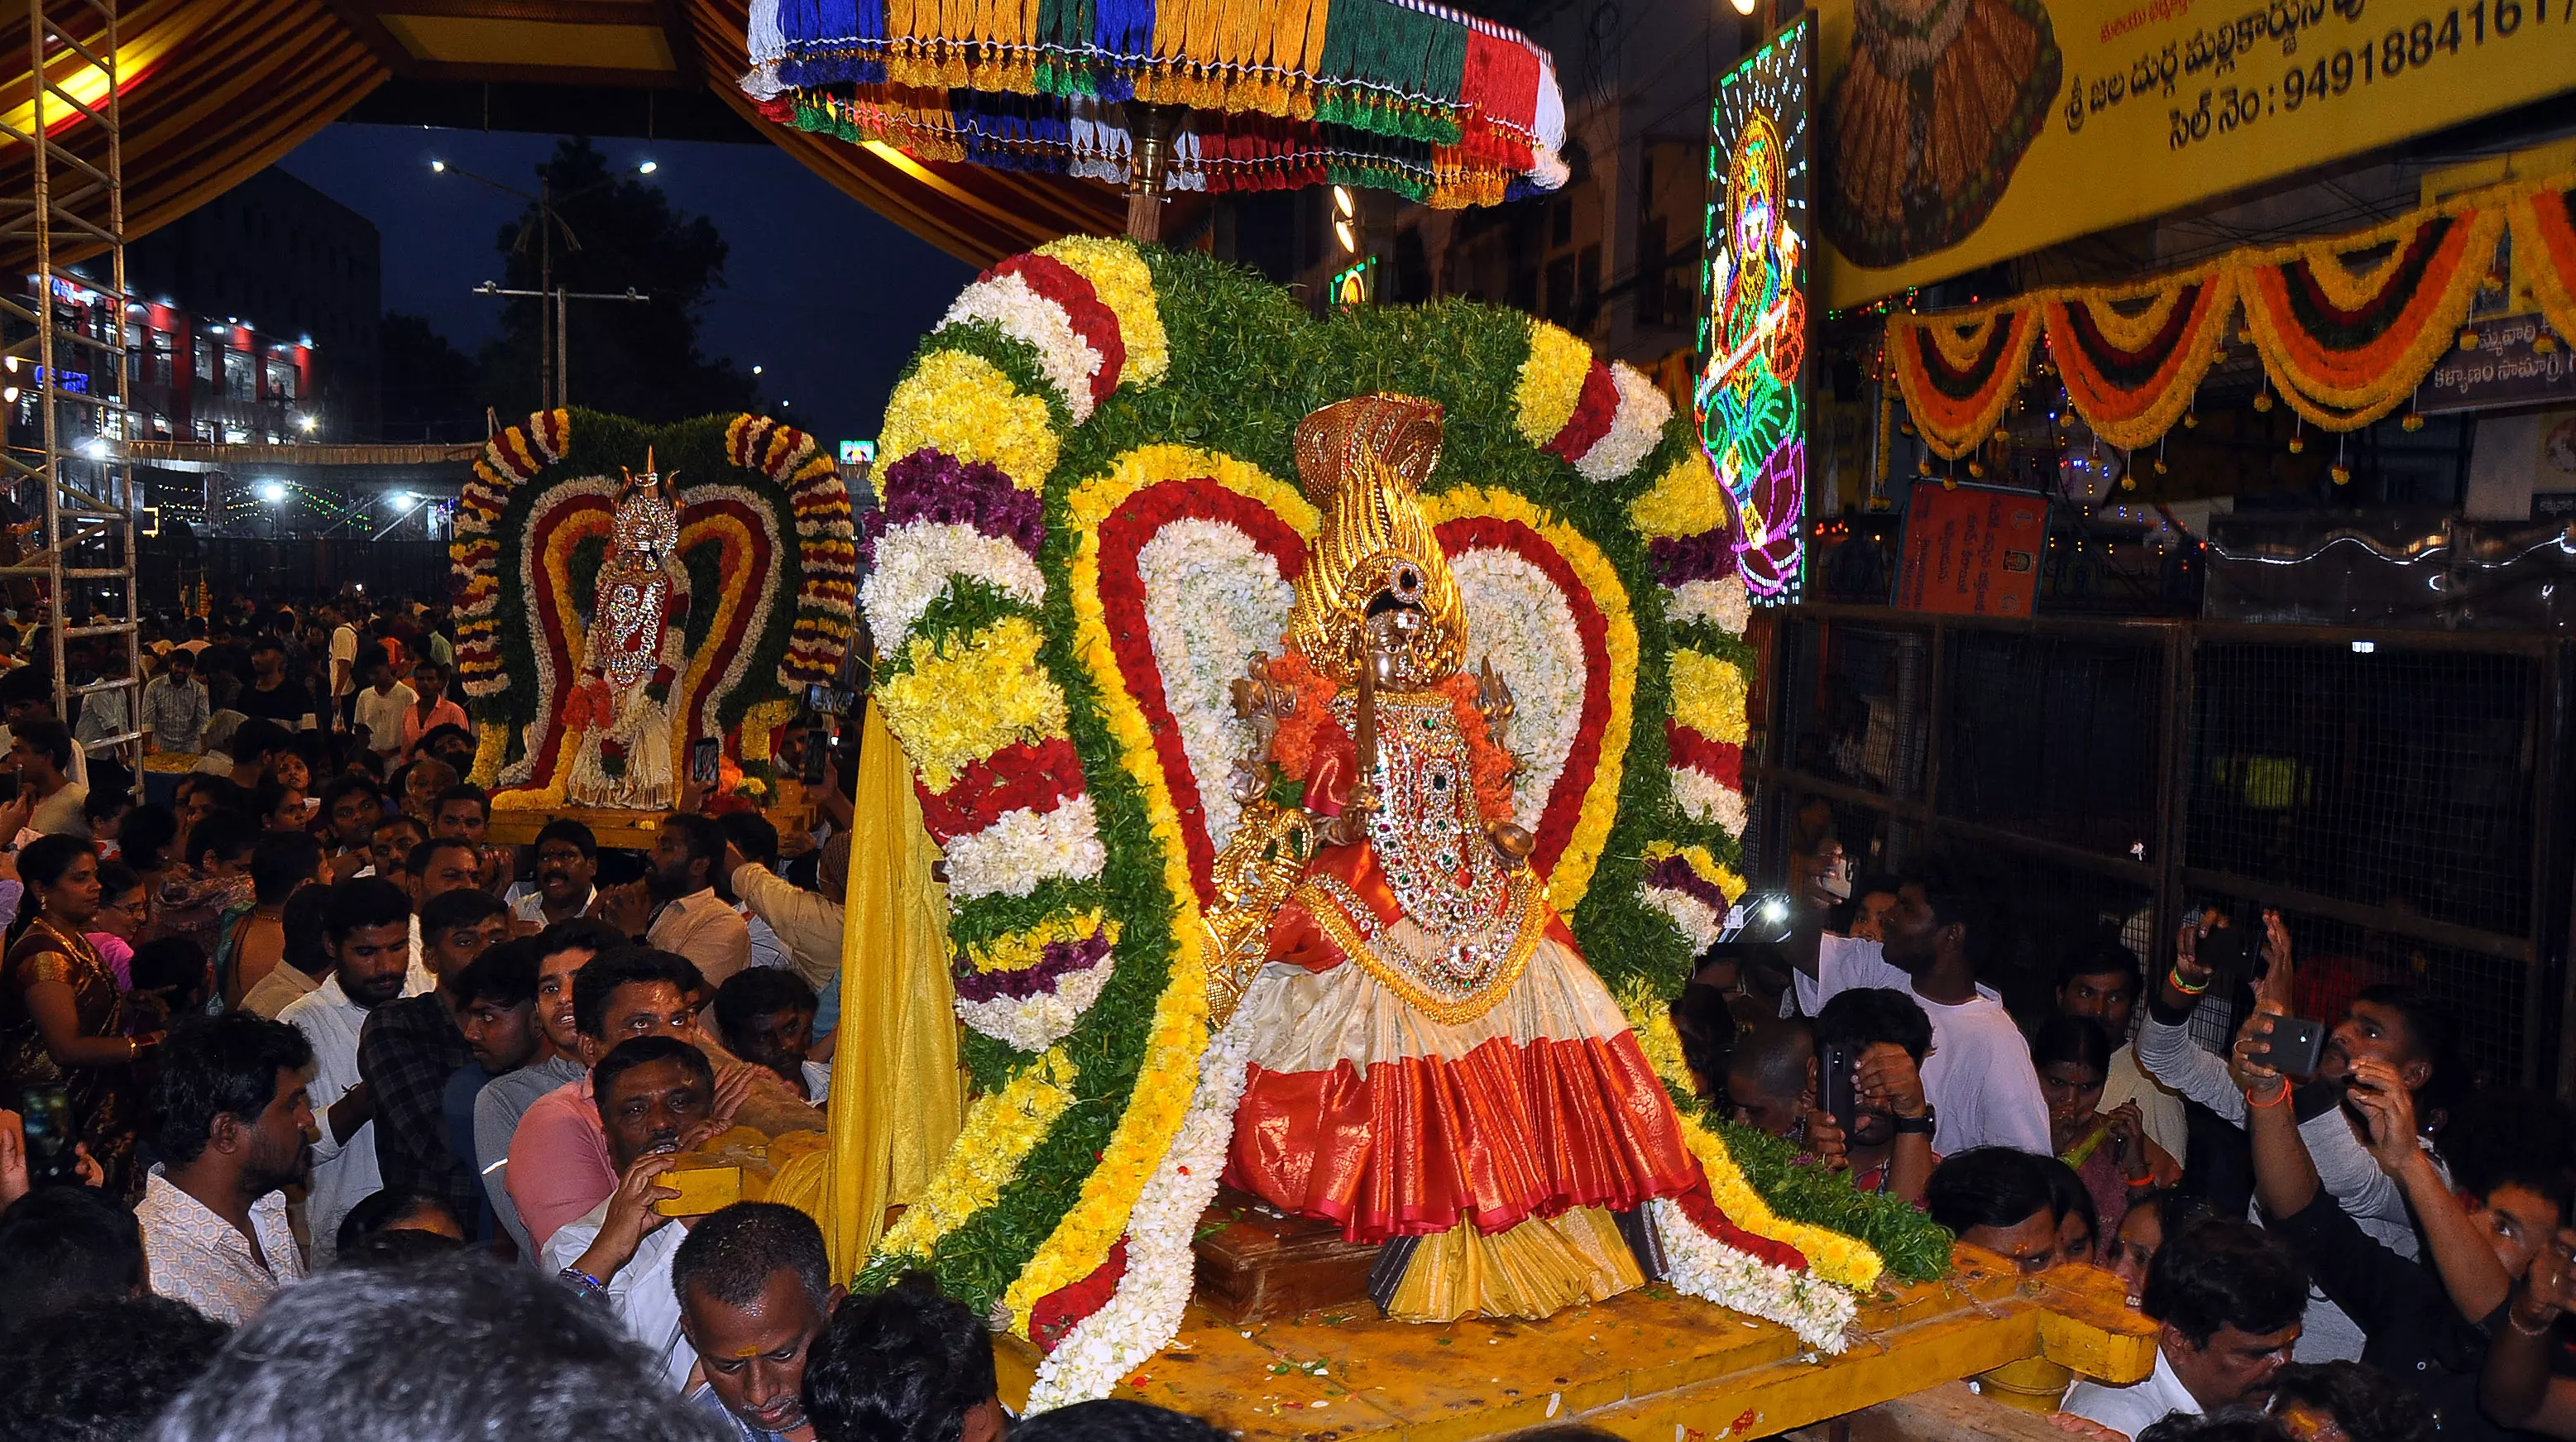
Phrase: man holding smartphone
pixel 2396 1025
pixel 2502 1204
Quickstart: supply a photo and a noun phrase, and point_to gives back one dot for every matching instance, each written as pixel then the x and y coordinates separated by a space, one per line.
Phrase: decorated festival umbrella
pixel 1214 96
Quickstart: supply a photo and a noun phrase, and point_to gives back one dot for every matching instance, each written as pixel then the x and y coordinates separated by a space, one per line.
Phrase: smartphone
pixel 818 754
pixel 2296 1045
pixel 823 700
pixel 47 1108
pixel 1836 1087
pixel 705 754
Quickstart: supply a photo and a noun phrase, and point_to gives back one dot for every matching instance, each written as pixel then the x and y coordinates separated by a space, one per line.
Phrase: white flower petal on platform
pixel 1034 1023
pixel 1702 1266
pixel 1024 847
pixel 1024 315
pixel 1519 619
pixel 1212 600
pixel 1722 603
pixel 914 563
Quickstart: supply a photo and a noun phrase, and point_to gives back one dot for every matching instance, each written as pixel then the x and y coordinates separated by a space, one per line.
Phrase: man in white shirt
pixel 369 937
pixel 2392 1023
pixel 229 1109
pixel 344 663
pixel 2228 1297
pixel 655 1096
pixel 567 872
pixel 676 908
pixel 1978 1079
pixel 378 710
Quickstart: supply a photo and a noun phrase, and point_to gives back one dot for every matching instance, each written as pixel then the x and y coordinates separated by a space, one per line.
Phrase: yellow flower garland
pixel 491 743
pixel 1020 950
pixel 1708 696
pixel 1831 1256
pixel 1572 875
pixel 1551 383
pixel 1118 275
pixel 965 699
pixel 962 405
pixel 1001 1129
pixel 1685 500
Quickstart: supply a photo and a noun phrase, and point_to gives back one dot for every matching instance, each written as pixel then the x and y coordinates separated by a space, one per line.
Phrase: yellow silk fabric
pixel 1533 1270
pixel 897 1097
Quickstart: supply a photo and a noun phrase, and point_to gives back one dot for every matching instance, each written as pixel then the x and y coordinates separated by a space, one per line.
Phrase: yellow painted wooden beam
pixel 1649 1365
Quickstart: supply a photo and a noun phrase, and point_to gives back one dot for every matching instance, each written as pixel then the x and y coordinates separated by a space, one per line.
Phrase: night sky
pixel 823 293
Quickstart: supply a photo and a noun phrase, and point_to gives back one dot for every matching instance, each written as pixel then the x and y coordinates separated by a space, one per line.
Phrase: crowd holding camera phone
pixel 2405 1254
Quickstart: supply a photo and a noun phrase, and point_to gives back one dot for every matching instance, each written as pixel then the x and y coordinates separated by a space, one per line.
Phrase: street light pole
pixel 552 355
pixel 552 302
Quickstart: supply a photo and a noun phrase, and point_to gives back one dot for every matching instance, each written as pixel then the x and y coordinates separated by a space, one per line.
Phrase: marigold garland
pixel 1001 1128
pixel 2544 237
pixel 2132 375
pixel 2346 327
pixel 1551 382
pixel 1685 500
pixel 1958 370
pixel 958 701
pixel 1708 696
pixel 963 405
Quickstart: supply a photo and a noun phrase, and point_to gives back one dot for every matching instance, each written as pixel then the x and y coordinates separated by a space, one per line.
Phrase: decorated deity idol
pixel 633 655
pixel 1433 1066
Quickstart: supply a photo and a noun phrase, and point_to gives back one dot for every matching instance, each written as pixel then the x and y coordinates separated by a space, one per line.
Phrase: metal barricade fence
pixel 2395 795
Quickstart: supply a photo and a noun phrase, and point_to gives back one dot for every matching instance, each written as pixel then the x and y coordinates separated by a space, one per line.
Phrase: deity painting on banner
pixel 636 646
pixel 1433 1066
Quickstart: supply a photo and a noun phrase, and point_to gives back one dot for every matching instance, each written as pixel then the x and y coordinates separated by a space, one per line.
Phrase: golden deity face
pixel 1376 584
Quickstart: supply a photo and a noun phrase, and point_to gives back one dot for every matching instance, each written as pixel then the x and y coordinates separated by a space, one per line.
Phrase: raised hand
pixel 1887 1080
pixel 2277 973
pixel 2128 1129
pixel 2245 1060
pixel 2380 1094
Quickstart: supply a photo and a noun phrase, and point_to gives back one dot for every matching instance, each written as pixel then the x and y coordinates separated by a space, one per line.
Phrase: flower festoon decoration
pixel 1091 528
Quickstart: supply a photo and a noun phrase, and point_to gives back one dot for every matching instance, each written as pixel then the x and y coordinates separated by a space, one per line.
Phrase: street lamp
pixel 272 492
pixel 648 167
pixel 307 423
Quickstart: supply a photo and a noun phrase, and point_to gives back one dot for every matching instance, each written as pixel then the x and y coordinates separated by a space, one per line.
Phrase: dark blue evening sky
pixel 828 297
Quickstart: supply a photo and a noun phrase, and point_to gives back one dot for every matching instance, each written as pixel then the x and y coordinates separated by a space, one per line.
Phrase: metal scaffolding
pixel 68 346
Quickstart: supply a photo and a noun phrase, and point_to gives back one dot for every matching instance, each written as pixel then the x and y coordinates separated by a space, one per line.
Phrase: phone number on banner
pixel 2224 109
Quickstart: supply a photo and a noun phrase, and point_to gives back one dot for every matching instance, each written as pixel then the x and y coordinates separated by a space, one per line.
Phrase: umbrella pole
pixel 1150 129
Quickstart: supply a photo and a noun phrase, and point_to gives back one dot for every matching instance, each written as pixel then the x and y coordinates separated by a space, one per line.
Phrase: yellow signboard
pixel 1962 132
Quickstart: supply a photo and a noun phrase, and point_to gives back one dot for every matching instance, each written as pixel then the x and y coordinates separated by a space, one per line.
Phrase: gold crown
pixel 1362 460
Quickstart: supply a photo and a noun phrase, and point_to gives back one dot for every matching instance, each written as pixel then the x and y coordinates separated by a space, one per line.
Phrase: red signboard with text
pixel 1971 550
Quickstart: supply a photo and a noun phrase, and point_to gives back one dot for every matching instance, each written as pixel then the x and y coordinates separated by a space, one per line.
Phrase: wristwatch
pixel 1921 1126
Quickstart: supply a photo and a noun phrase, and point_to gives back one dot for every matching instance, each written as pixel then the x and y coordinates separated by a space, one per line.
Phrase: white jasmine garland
pixel 1635 426
pixel 1212 600
pixel 1704 1267
pixel 1704 798
pixel 1722 603
pixel 1699 923
pixel 915 561
pixel 1034 1023
pixel 1520 620
pixel 1024 847
pixel 1024 315
pixel 1145 1312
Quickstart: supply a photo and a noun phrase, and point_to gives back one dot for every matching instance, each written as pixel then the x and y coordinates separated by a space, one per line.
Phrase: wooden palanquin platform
pixel 1650 1365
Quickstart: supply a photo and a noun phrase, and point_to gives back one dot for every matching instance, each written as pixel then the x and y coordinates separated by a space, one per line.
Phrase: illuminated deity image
pixel 1747 398
pixel 633 652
